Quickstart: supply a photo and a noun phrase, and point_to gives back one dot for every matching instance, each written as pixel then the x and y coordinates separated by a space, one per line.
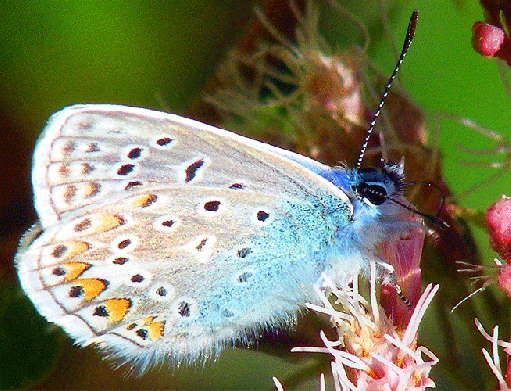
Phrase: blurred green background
pixel 159 54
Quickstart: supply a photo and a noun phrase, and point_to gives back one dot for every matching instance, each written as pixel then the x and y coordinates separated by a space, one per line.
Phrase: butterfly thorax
pixel 376 217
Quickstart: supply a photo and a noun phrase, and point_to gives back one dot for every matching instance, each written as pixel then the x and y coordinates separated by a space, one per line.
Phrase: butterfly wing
pixel 164 236
pixel 89 152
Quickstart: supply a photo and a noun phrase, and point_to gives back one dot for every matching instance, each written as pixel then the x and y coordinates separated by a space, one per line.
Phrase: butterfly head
pixel 374 186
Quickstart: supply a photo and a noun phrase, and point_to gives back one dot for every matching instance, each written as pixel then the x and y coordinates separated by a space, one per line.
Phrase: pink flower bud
pixel 504 279
pixel 498 217
pixel 486 38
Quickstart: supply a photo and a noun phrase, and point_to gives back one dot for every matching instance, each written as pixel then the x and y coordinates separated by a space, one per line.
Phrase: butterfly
pixel 160 237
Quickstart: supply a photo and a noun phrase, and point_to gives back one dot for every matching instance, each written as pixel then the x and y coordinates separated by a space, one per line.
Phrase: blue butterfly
pixel 160 236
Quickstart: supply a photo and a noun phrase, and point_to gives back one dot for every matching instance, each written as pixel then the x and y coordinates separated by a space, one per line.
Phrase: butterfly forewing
pixel 88 153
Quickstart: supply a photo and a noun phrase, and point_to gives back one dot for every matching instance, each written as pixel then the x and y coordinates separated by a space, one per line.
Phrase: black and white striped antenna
pixel 408 41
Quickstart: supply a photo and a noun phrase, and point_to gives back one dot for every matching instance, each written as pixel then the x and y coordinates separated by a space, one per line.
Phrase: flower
pixel 493 360
pixel 370 352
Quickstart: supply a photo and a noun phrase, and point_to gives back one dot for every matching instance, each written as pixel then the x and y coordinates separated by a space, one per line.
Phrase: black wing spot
pixel 164 141
pixel 191 170
pixel 141 333
pixel 244 277
pixel 69 147
pixel 58 271
pixel 161 291
pixel 100 311
pixel 262 215
pixel 168 223
pixel 87 168
pixel 83 225
pixel 184 309
pixel 201 245
pixel 242 253
pixel 135 153
pixel 125 169
pixel 123 244
pixel 132 184
pixel 212 206
pixel 75 291
pixel 137 278
pixel 92 147
pixel 58 251
pixel 120 260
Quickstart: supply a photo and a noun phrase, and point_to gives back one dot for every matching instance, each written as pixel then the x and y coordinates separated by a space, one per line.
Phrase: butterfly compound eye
pixel 375 194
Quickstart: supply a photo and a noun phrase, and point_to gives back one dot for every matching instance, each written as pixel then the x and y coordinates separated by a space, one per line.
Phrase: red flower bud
pixel 498 217
pixel 486 38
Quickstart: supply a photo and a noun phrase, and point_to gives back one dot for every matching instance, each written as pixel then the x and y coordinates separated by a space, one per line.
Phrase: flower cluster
pixel 371 353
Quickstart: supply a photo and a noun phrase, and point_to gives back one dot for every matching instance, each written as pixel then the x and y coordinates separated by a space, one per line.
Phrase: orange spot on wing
pixel 76 248
pixel 91 287
pixel 147 320
pixel 90 189
pixel 117 308
pixel 144 200
pixel 155 330
pixel 75 269
pixel 108 221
